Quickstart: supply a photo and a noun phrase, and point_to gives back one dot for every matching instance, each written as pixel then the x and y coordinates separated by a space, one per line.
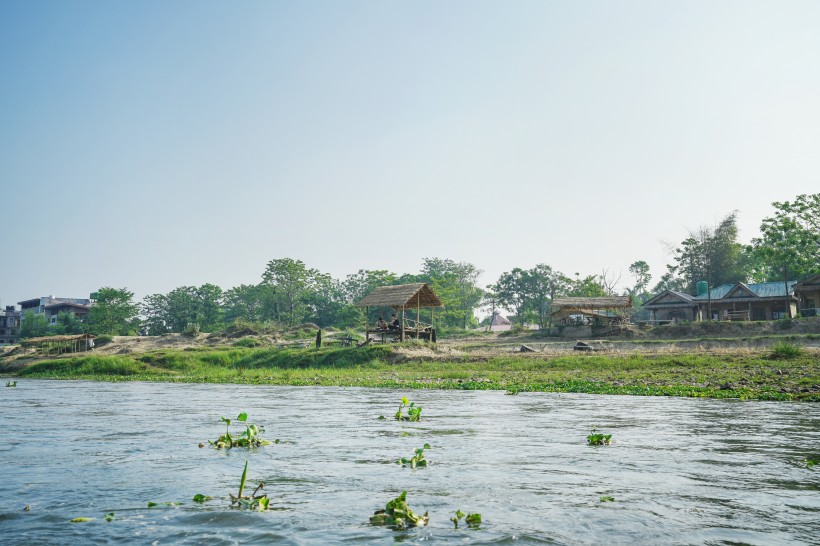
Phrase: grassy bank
pixel 747 375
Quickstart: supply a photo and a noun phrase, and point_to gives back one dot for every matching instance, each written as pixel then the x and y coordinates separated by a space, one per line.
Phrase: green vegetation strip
pixel 763 376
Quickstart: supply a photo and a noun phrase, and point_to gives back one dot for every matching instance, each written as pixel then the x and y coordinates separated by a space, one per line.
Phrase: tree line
pixel 290 293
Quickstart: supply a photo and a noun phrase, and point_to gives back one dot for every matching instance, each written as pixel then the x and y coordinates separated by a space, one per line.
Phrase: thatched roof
pixel 46 339
pixel 588 304
pixel 402 295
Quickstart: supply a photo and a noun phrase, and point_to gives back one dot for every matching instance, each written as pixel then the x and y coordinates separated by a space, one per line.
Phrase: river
pixel 680 471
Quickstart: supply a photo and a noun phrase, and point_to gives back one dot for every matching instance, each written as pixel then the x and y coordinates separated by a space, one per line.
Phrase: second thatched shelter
pixel 609 307
pixel 402 298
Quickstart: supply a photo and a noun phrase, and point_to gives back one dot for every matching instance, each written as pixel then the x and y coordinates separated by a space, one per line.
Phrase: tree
pixel 512 291
pixel 291 282
pixel 712 255
pixel 789 245
pixel 114 312
pixel 66 324
pixel 251 302
pixel 669 281
pixel 640 270
pixel 455 285
pixel 33 325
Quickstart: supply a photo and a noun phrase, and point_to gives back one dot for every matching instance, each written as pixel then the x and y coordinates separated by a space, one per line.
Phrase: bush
pixel 248 342
pixel 191 330
pixel 783 350
pixel 103 339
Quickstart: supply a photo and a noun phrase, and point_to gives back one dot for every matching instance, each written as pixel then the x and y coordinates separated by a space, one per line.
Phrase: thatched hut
pixel 403 298
pixel 608 308
pixel 61 344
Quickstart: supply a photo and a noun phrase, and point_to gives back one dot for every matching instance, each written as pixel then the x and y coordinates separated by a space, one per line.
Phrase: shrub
pixel 103 339
pixel 191 330
pixel 248 342
pixel 783 350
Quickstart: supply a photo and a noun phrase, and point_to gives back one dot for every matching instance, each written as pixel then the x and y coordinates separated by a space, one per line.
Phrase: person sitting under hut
pixel 381 324
pixel 394 322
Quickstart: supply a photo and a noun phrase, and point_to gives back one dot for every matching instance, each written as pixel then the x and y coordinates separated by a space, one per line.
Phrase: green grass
pixel 743 375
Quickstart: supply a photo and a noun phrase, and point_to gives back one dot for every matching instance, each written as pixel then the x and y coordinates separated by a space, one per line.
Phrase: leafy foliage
pixel 789 245
pixel 472 520
pixel 114 312
pixel 247 438
pixel 417 460
pixel 413 411
pixel 785 350
pixel 597 439
pixel 252 501
pixel 397 513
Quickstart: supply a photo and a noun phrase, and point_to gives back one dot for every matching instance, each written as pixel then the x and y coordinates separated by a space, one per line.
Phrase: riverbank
pixel 750 374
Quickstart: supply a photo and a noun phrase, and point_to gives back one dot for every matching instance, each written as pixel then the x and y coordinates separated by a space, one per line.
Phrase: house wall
pixel 809 302
pixel 766 310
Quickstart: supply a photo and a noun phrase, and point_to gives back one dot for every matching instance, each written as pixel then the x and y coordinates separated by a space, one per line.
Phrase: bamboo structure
pixel 61 344
pixel 402 298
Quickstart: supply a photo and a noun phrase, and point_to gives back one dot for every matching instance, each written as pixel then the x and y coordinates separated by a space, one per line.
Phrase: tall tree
pixel 291 281
pixel 713 255
pixel 513 292
pixel 114 312
pixel 456 285
pixel 789 245
pixel 640 270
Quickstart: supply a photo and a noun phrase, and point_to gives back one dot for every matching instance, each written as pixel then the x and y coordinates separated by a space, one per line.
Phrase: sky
pixel 157 144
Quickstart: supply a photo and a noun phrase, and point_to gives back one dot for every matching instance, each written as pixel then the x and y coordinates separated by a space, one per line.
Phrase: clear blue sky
pixel 155 144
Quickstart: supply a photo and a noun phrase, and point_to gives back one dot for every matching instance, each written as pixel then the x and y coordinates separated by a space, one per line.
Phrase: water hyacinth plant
pixel 597 439
pixel 252 501
pixel 11 383
pixel 413 411
pixel 248 438
pixel 417 460
pixel 472 520
pixel 398 514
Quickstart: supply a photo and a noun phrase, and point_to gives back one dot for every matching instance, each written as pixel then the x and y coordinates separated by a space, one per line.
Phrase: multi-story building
pixel 51 307
pixel 9 326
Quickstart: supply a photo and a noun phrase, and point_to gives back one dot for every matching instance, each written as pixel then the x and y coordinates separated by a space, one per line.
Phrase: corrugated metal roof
pixel 760 289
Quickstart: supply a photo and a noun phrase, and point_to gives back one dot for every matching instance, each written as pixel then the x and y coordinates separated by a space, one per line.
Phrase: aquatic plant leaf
pixel 242 417
pixel 199 497
pixel 263 503
pixel 607 499
pixel 80 520
pixel 226 421
pixel 473 519
pixel 242 481
pixel 427 446
pixel 404 400
pixel 110 516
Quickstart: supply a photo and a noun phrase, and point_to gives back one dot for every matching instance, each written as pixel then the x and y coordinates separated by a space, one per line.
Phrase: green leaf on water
pixel 473 519
pixel 109 516
pixel 199 497
pixel 242 417
pixel 404 400
pixel 81 520
pixel 226 421
pixel 607 499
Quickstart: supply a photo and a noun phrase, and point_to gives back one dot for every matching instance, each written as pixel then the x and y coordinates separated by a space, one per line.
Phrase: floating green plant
pixel 155 504
pixel 417 460
pixel 199 497
pixel 596 439
pixel 472 520
pixel 810 462
pixel 248 438
pixel 607 499
pixel 11 383
pixel 110 516
pixel 252 501
pixel 413 411
pixel 80 520
pixel 397 513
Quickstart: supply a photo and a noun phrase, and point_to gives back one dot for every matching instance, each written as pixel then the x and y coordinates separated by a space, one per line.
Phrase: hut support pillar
pixel 366 324
pixel 402 324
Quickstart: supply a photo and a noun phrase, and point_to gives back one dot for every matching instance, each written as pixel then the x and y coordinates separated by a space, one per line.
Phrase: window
pixel 2 332
pixel 778 314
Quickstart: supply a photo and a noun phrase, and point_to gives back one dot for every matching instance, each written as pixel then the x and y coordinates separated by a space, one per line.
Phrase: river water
pixel 681 471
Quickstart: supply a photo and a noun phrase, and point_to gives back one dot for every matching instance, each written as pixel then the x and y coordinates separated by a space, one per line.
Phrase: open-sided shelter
pixel 61 344
pixel 404 298
pixel 609 308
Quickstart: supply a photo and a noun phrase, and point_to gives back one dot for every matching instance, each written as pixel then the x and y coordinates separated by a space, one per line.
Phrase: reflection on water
pixel 681 471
